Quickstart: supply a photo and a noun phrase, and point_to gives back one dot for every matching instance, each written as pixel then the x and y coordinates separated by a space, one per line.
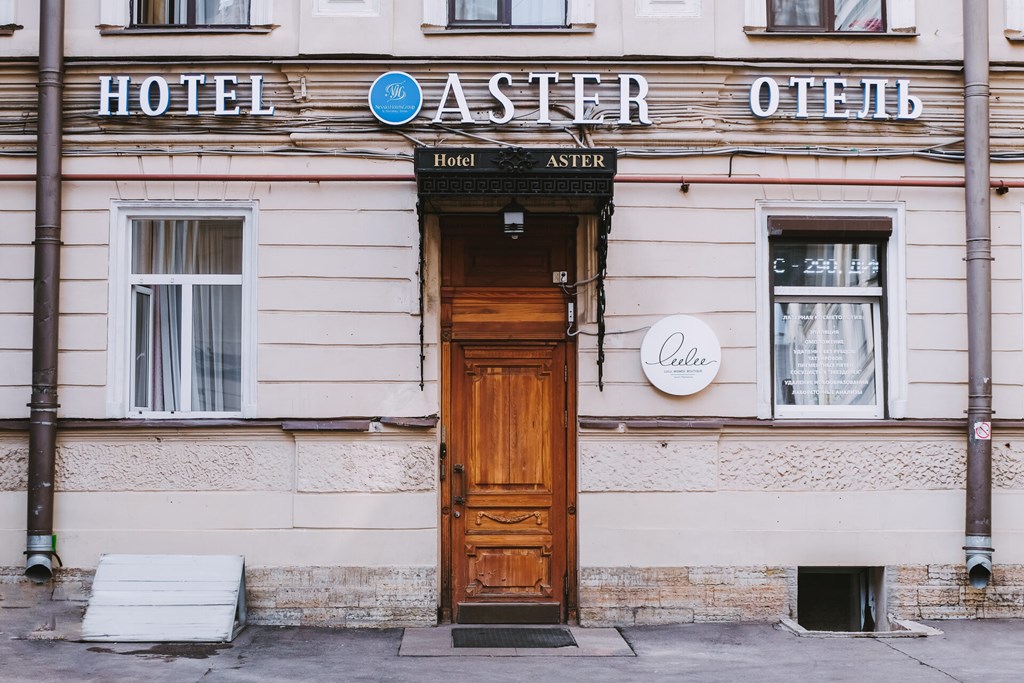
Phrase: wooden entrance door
pixel 509 398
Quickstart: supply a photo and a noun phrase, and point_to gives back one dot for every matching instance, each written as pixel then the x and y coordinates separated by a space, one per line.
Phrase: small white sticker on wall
pixel 983 431
pixel 680 355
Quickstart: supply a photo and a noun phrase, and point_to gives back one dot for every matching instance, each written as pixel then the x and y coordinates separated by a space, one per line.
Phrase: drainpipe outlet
pixel 39 566
pixel 979 560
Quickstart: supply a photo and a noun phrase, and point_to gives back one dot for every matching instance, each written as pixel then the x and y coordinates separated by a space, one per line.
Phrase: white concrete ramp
pixel 166 598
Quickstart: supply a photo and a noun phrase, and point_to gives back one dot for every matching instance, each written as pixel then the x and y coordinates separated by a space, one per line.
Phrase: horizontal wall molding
pixel 352 424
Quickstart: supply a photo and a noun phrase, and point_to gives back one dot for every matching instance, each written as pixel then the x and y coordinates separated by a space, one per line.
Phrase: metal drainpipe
pixel 978 544
pixel 42 430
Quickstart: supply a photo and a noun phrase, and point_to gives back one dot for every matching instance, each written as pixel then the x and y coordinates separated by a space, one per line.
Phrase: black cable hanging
pixel 604 228
pixel 423 357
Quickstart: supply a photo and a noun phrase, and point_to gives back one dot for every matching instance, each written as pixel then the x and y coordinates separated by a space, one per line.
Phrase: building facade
pixel 321 261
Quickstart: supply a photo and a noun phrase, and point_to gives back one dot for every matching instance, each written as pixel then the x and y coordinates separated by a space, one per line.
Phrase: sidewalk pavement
pixel 31 649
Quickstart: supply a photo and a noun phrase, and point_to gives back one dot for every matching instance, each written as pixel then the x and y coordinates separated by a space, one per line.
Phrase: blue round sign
pixel 395 98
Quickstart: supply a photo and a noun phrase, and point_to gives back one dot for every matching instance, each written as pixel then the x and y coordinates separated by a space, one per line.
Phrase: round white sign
pixel 680 355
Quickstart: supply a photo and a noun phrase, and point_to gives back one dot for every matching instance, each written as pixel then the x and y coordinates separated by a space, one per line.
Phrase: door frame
pixel 570 612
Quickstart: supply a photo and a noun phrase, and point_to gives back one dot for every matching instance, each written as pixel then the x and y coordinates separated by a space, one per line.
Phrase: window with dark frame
pixel 827 16
pixel 827 310
pixel 190 13
pixel 507 13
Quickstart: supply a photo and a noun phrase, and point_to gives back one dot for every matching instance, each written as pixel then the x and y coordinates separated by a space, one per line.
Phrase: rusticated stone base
pixel 626 596
pixel 355 597
pixel 942 591
pixel 72 585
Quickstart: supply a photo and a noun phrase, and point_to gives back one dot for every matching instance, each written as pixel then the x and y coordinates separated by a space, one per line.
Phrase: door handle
pixel 460 495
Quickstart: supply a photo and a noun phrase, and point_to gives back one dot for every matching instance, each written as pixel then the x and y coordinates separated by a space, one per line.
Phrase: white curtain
pixel 859 15
pixel 796 13
pixel 162 12
pixel 524 12
pixel 166 354
pixel 538 12
pixel 217 347
pixel 185 247
pixel 222 12
pixel 476 10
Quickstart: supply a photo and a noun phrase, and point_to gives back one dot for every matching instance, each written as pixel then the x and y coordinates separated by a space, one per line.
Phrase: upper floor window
pixel 826 16
pixel 507 13
pixel 190 12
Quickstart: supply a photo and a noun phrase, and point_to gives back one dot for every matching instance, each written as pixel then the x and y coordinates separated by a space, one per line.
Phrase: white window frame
pixel 118 13
pixel 1014 10
pixel 892 385
pixel 122 283
pixel 901 19
pixel 6 12
pixel 580 16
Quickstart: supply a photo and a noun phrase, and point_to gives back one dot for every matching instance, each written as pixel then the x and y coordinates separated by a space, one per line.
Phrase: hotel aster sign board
pixel 680 355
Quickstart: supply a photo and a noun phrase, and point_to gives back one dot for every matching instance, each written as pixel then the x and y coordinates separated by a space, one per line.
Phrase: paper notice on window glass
pixel 824 354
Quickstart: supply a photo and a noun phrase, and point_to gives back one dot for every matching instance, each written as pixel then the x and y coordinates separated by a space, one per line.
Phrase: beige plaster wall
pixel 797 498
pixel 618 30
pixel 337 291
pixel 280 499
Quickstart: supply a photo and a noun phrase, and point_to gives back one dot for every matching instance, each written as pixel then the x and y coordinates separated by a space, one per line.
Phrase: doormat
pixel 512 637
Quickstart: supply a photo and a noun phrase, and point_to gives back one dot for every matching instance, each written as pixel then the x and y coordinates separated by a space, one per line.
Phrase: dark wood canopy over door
pixel 509 540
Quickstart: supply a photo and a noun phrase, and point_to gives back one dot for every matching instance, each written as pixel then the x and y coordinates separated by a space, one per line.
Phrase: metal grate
pixel 513 637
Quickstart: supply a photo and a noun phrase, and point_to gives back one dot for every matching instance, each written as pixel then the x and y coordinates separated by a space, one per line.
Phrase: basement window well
pixel 841 599
pixel 847 602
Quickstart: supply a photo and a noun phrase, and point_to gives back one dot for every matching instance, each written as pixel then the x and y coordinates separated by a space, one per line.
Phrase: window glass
pixel 477 10
pixel 186 247
pixel 505 13
pixel 164 372
pixel 217 348
pixel 797 13
pixel 186 316
pixel 859 15
pixel 538 13
pixel 828 15
pixel 191 12
pixel 824 354
pixel 826 322
pixel 825 265
pixel 143 344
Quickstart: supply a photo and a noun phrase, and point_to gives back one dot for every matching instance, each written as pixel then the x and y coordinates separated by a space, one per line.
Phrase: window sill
pixel 205 31
pixel 856 35
pixel 1014 36
pixel 469 30
pixel 9 29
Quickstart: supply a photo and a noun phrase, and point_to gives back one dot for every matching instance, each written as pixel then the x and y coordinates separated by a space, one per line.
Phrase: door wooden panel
pixel 509 498
pixel 509 544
